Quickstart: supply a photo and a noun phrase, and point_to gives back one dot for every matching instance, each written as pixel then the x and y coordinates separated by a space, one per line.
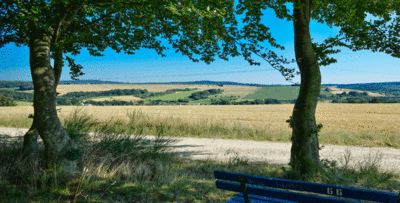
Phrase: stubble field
pixel 371 124
pixel 123 170
pixel 228 89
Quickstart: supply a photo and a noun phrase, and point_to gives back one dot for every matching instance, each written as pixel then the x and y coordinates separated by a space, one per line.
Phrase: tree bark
pixel 305 147
pixel 30 146
pixel 60 149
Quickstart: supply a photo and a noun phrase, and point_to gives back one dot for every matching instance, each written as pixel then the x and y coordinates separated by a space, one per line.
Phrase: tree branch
pixel 59 24
pixel 340 8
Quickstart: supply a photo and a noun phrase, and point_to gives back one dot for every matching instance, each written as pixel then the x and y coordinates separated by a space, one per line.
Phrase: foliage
pixel 18 96
pixel 14 84
pixel 25 87
pixel 316 131
pixel 97 25
pixel 204 94
pixel 73 154
pixel 350 16
pixel 385 88
pixel 7 101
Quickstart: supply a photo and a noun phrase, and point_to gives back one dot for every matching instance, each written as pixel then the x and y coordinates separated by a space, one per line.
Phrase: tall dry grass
pixel 117 169
pixel 369 125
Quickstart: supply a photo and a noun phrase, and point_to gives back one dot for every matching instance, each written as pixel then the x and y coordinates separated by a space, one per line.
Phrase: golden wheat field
pixel 374 119
pixel 228 89
pixel 122 98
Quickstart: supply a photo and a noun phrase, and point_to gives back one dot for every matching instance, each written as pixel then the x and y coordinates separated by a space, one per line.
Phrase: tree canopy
pixel 130 25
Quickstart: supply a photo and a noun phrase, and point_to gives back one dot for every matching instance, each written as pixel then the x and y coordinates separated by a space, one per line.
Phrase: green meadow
pixel 175 96
pixel 280 93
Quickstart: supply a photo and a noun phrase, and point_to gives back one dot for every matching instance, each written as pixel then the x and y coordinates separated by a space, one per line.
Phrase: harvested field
pixel 340 91
pixel 228 89
pixel 354 120
pixel 122 98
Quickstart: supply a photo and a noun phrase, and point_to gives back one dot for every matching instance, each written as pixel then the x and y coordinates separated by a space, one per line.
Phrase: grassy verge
pixel 116 169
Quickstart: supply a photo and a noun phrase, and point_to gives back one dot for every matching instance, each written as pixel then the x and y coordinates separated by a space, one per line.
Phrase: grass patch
pixel 20 103
pixel 117 169
pixel 279 93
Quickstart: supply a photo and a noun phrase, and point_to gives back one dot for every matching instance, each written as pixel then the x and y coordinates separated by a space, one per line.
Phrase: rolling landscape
pixel 191 119
pixel 99 93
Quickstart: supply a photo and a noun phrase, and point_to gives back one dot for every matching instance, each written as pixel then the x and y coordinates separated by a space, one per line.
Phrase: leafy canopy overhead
pixel 130 25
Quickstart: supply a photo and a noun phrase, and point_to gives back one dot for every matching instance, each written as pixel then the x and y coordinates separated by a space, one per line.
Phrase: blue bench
pixel 250 193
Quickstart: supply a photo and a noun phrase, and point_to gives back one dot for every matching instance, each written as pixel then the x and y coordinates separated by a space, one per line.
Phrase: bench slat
pixel 334 191
pixel 239 198
pixel 279 194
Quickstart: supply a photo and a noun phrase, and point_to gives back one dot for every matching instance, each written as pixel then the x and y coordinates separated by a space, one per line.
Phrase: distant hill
pixel 392 88
pixel 382 87
pixel 89 82
pixel 207 82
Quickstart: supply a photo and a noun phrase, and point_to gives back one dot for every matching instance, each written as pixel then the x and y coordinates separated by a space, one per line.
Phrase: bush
pixel 7 101
pixel 376 100
pixel 354 94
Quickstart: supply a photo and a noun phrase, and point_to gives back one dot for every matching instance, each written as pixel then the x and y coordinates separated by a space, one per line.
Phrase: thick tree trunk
pixel 60 149
pixel 30 146
pixel 305 147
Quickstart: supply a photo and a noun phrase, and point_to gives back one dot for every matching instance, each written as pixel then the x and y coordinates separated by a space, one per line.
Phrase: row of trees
pixel 368 100
pixel 170 91
pixel 204 94
pixel 14 84
pixel 131 103
pixel 351 97
pixel 116 92
pixel 392 88
pixel 72 98
pixel 18 96
pixel 25 87
pixel 247 102
pixel 121 92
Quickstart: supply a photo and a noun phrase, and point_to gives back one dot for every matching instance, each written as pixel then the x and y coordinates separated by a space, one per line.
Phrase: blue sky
pixel 147 66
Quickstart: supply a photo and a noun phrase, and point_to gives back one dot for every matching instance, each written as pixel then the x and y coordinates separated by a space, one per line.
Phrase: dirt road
pixel 271 152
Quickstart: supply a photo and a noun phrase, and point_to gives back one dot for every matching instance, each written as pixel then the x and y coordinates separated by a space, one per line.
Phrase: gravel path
pixel 271 152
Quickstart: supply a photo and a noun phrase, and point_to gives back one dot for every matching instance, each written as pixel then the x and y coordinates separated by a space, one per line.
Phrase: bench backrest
pixel 246 183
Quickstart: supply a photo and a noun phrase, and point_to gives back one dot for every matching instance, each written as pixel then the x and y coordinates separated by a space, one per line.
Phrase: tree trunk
pixel 30 146
pixel 305 147
pixel 60 149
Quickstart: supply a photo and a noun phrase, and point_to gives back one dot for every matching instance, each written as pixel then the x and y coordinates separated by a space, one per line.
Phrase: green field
pixel 19 103
pixel 280 93
pixel 174 96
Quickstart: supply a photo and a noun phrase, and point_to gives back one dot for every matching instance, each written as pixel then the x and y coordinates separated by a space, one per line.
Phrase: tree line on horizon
pixel 75 98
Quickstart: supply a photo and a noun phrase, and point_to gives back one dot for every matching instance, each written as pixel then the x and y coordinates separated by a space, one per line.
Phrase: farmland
pixel 340 91
pixel 242 92
pixel 372 124
pixel 122 98
pixel 113 94
pixel 280 93
pixel 130 170
pixel 228 89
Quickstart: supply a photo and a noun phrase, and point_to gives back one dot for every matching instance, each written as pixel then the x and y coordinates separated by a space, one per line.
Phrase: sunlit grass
pixel 116 169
